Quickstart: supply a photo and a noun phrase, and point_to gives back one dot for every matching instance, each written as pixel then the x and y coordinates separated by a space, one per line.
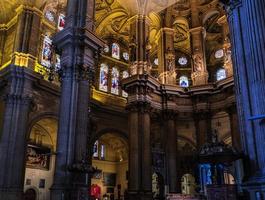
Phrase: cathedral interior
pixel 132 99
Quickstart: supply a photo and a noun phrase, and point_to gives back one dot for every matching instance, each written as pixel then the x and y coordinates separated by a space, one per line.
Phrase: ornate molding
pixel 230 5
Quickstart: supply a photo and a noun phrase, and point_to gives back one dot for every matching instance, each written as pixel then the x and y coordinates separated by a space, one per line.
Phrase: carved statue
pixel 198 63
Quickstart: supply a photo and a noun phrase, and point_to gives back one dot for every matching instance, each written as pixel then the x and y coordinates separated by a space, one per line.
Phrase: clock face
pixel 156 61
pixel 219 53
pixel 106 48
pixel 125 56
pixel 182 61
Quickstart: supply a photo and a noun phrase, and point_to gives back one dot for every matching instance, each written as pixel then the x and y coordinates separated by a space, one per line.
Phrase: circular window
pixel 219 53
pixel 182 61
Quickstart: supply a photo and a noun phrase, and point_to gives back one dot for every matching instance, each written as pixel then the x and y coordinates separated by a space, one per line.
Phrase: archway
pixel 40 157
pixel 110 157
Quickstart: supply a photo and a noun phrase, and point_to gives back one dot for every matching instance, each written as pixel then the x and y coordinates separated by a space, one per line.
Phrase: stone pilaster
pixel 14 134
pixel 236 140
pixel 247 22
pixel 140 47
pixel 199 72
pixel 79 47
pixel 228 65
pixel 203 127
pixel 166 57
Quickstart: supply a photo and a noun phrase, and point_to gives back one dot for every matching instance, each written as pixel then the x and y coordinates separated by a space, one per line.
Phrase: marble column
pixel 199 72
pixel 146 161
pixel 79 47
pixel 134 152
pixel 14 134
pixel 171 150
pixel 140 170
pixel 247 22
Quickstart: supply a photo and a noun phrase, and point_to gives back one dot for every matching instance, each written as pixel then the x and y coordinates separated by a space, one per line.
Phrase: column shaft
pixel 172 154
pixel 134 153
pixel 14 136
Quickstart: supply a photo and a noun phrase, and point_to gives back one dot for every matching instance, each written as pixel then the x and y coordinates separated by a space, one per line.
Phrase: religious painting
pixel 103 77
pixel 184 81
pixel 115 51
pixel 61 22
pixel 125 74
pixel 46 56
pixel 109 179
pixel 58 63
pixel 38 157
pixel 115 81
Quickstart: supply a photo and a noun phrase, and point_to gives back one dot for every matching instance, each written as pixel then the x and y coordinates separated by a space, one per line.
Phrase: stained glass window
pixel 61 22
pixel 46 56
pixel 184 81
pixel 102 152
pixel 220 74
pixel 125 56
pixel 115 81
pixel 58 63
pixel 103 77
pixel 115 51
pixel 125 74
pixel 95 150
pixel 156 61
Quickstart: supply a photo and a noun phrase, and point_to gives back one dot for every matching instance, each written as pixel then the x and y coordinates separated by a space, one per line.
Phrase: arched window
pixel 115 50
pixel 125 74
pixel 95 149
pixel 46 56
pixel 115 81
pixel 103 77
pixel 220 74
pixel 61 22
pixel 184 81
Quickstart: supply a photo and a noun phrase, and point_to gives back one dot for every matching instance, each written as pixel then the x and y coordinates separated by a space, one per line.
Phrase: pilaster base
pixel 59 192
pixel 255 187
pixel 11 194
